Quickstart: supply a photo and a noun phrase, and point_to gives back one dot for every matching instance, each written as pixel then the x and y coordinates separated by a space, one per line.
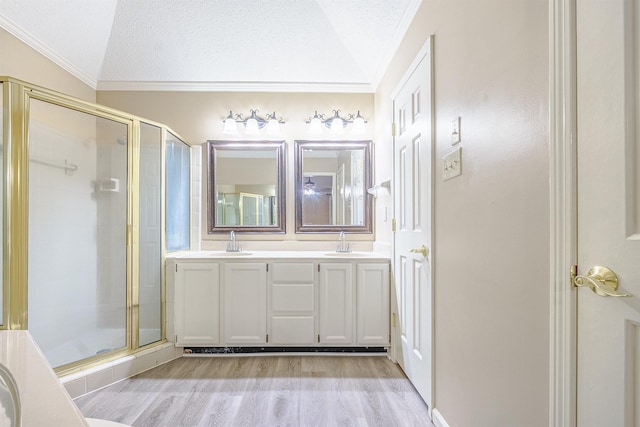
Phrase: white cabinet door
pixel 197 304
pixel 245 303
pixel 372 303
pixel 292 303
pixel 336 303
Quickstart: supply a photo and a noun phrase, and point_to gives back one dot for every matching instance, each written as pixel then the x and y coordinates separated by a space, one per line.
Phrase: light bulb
pixel 251 127
pixel 315 126
pixel 336 126
pixel 273 127
pixel 230 126
pixel 358 125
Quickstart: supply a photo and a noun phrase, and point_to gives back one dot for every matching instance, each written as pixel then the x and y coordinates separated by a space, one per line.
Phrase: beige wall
pixel 20 61
pixel 491 257
pixel 198 117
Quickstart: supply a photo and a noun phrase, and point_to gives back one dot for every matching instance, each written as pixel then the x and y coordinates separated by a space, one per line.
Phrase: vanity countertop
pixel 327 256
pixel 43 399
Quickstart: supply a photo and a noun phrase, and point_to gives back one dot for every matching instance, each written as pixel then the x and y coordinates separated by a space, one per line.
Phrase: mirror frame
pixel 300 146
pixel 280 149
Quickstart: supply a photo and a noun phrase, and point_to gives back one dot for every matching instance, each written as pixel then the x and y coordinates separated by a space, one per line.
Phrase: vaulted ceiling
pixel 328 45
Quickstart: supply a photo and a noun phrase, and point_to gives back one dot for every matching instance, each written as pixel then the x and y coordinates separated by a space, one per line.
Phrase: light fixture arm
pixel 327 121
pixel 273 117
pixel 261 122
pixel 317 116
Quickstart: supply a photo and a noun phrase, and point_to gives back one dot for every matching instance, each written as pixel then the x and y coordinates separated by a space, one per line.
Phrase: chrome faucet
pixel 233 246
pixel 343 245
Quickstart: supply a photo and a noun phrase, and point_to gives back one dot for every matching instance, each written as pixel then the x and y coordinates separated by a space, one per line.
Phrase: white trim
pixel 425 50
pixel 432 100
pixel 185 86
pixel 47 52
pixel 401 31
pixel 632 114
pixel 438 419
pixel 563 212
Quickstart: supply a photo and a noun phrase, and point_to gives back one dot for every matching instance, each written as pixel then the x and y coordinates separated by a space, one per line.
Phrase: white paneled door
pixel 608 346
pixel 413 147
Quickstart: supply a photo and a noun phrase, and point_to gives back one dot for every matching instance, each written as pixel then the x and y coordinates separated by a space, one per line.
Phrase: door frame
pixel 563 174
pixel 426 49
pixel 563 211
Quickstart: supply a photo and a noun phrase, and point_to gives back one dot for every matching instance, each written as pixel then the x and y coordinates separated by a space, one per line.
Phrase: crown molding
pixel 110 85
pixel 47 52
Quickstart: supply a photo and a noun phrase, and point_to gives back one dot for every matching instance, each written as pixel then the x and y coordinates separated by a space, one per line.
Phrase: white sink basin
pixel 346 254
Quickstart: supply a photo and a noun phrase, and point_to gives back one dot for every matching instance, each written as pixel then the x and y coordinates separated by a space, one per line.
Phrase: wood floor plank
pixel 263 391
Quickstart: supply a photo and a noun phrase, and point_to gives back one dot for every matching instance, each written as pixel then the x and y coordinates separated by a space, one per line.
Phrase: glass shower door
pixel 77 270
pixel 150 257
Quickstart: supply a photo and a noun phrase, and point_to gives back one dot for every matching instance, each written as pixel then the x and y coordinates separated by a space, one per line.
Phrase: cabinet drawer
pixel 286 272
pixel 286 298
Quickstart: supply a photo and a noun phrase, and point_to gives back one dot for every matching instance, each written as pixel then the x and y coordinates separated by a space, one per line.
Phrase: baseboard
pixel 107 373
pixel 438 419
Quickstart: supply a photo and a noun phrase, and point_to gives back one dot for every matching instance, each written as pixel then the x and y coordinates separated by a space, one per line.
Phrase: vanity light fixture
pixel 336 123
pixel 252 124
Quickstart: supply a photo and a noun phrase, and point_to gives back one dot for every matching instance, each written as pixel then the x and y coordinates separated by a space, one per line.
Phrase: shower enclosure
pixel 84 202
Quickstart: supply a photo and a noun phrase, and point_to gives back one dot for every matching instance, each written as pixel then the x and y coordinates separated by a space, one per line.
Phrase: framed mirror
pixel 332 178
pixel 246 186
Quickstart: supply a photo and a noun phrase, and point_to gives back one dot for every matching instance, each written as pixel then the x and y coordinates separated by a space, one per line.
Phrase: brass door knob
pixel 421 250
pixel 601 280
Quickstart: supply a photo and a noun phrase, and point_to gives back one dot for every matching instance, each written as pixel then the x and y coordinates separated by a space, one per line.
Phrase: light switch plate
pixel 452 164
pixel 455 131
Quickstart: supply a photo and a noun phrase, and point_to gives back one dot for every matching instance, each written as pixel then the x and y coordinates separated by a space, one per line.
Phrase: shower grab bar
pixel 69 168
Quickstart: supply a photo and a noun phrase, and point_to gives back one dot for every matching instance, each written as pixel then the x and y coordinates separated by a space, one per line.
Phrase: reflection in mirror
pixel 332 178
pixel 246 186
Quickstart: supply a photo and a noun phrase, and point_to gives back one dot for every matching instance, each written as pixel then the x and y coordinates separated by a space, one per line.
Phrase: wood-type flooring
pixel 263 391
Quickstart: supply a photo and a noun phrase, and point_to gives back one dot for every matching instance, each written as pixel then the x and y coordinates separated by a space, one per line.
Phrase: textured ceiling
pixel 208 44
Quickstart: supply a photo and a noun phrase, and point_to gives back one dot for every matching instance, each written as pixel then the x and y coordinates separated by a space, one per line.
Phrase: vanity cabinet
pixel 301 302
pixel 336 303
pixel 245 303
pixel 197 304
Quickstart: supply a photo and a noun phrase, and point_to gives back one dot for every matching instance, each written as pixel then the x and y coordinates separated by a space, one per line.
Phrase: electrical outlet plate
pixel 455 131
pixel 452 164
